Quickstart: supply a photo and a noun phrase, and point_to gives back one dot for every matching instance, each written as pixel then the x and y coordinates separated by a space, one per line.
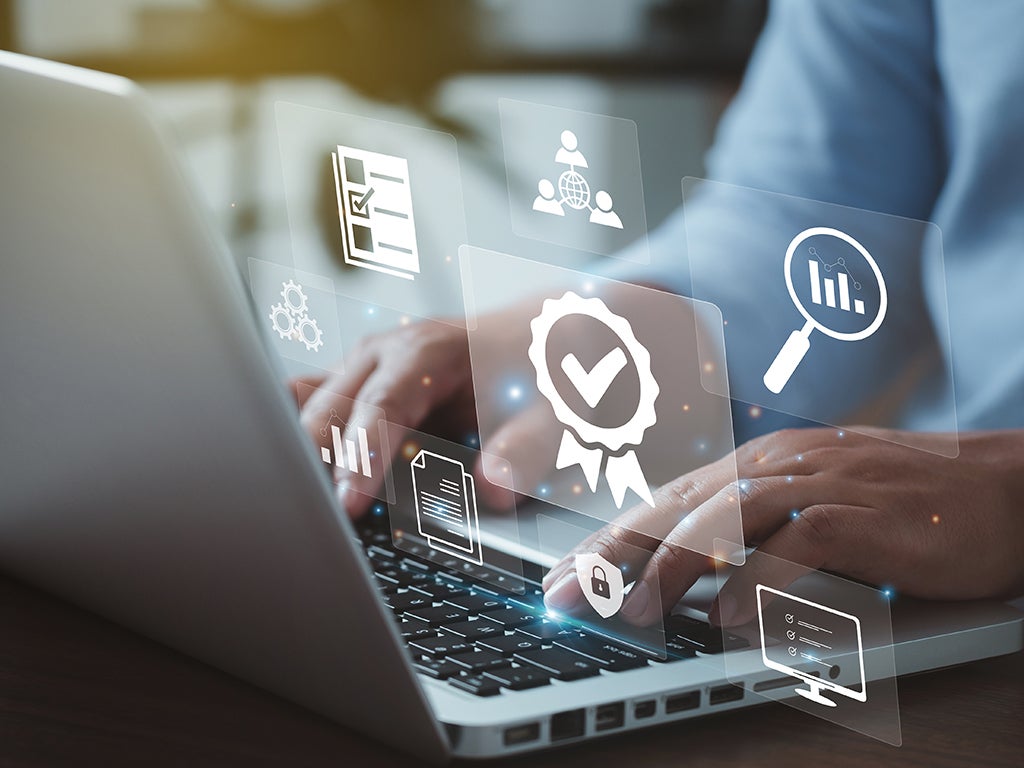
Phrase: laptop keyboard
pixel 487 644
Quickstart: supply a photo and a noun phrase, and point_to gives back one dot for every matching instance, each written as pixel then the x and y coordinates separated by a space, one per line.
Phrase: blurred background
pixel 216 67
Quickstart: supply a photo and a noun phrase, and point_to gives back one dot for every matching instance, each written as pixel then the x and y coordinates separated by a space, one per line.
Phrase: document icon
pixel 375 206
pixel 446 506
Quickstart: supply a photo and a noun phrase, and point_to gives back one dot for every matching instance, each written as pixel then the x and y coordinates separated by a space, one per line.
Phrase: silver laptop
pixel 153 470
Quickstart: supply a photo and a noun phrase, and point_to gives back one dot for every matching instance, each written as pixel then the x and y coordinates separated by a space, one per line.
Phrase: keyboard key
pixel 702 636
pixel 478 661
pixel 437 668
pixel 510 618
pixel 532 600
pixel 415 630
pixel 559 663
pixel 379 553
pixel 678 649
pixel 407 601
pixel 614 658
pixel 475 603
pixel 547 631
pixel 476 684
pixel 473 630
pixel 415 565
pixel 436 590
pixel 401 577
pixel 443 614
pixel 518 678
pixel 444 645
pixel 507 645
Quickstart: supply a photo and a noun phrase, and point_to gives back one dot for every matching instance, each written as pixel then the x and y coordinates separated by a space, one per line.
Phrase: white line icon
pixel 622 470
pixel 378 231
pixel 821 638
pixel 573 189
pixel 446 512
pixel 843 275
pixel 290 318
pixel 796 346
pixel 345 454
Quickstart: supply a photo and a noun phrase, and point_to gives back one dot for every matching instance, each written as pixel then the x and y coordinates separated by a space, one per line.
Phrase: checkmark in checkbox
pixel 357 202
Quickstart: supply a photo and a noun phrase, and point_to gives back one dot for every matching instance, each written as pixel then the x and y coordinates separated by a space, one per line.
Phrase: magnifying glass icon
pixel 796 346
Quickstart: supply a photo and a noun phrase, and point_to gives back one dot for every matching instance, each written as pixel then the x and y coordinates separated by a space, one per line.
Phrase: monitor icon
pixel 816 644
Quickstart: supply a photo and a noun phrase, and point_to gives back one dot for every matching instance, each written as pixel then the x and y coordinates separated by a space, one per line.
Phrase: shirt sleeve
pixel 840 104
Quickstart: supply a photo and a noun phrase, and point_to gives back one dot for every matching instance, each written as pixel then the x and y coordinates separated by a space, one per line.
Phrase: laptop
pixel 154 471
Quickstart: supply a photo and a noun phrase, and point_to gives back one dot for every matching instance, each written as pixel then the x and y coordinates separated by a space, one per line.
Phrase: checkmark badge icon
pixel 594 384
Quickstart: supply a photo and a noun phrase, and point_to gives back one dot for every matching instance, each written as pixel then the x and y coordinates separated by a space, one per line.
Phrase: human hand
pixel 420 377
pixel 862 505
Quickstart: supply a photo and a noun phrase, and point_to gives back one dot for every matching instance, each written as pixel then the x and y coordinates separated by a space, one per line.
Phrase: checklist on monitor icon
pixel 378 230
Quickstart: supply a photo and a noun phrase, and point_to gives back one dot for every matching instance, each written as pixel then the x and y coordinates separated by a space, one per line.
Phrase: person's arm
pixel 841 105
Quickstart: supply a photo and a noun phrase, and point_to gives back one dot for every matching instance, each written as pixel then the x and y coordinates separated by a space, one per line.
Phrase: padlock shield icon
pixel 601 582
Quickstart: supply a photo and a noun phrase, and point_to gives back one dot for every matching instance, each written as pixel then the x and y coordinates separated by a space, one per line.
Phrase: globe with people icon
pixel 574 189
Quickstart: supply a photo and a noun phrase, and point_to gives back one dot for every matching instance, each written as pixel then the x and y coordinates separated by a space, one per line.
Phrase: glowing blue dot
pixel 789 478
pixel 373 454
pixel 794 513
pixel 472 441
pixel 378 510
pixel 371 310
pixel 543 490
pixel 799 457
pixel 515 392
pixel 888 593
pixel 743 485
pixel 841 434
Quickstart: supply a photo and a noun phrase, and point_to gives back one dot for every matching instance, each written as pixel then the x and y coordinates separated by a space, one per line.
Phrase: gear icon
pixel 309 333
pixel 283 321
pixel 294 298
pixel 291 318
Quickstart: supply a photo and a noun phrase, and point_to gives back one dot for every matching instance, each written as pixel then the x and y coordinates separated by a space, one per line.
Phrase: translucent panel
pixel 574 179
pixel 818 643
pixel 590 389
pixel 824 310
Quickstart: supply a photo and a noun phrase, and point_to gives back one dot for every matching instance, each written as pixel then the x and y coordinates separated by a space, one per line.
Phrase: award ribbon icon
pixel 584 443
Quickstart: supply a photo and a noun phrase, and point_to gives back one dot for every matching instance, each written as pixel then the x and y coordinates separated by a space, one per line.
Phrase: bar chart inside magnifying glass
pixel 829 287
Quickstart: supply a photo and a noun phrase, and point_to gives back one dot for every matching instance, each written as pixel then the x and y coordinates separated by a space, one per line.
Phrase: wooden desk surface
pixel 77 690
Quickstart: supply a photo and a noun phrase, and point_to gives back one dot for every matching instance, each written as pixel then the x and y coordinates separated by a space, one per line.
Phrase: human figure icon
pixel 569 153
pixel 545 202
pixel 604 214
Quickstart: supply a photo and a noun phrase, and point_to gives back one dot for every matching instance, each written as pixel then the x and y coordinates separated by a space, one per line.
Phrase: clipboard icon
pixel 378 231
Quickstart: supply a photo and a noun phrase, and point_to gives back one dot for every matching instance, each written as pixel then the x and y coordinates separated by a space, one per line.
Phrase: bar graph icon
pixel 828 284
pixel 350 455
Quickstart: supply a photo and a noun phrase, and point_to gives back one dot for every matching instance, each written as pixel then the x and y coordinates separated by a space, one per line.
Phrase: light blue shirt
pixel 907 107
